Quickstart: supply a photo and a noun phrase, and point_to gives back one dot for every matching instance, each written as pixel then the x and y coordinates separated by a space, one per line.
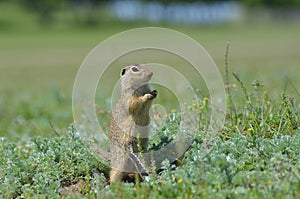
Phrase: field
pixel 255 155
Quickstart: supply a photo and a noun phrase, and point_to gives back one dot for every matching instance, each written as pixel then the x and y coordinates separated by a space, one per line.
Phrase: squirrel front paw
pixel 151 95
pixel 154 93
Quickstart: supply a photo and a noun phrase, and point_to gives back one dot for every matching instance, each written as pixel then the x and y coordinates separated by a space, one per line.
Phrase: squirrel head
pixel 134 76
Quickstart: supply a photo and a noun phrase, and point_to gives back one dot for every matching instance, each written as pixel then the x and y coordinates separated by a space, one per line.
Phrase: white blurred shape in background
pixel 184 13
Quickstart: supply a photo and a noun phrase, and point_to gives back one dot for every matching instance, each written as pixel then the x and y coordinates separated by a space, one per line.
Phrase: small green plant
pixel 44 165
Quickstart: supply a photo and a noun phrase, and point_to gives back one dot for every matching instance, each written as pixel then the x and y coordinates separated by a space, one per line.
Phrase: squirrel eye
pixel 134 69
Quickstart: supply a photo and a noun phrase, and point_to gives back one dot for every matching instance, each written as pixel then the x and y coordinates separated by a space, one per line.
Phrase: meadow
pixel 255 155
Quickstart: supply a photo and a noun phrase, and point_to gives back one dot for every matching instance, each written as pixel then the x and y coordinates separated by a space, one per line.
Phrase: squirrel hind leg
pixel 116 176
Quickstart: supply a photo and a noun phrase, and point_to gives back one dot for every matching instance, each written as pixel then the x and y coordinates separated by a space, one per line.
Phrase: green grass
pixel 255 155
pixel 36 62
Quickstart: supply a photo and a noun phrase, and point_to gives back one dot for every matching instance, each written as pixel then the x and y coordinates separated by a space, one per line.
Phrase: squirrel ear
pixel 123 71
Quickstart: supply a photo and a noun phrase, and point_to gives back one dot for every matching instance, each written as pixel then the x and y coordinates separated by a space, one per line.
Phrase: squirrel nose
pixel 150 75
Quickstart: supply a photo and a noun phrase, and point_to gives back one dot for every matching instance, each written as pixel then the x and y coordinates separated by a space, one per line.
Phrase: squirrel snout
pixel 148 75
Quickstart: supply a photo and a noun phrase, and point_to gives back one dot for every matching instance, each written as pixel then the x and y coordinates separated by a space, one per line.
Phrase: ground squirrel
pixel 129 126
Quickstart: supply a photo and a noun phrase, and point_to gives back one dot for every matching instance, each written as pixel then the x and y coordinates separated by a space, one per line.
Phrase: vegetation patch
pixel 256 155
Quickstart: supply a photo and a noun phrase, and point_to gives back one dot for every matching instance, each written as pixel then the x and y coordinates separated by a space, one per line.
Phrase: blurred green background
pixel 43 42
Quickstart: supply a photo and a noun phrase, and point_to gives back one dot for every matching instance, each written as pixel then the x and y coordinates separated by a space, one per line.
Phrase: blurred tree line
pixel 269 3
pixel 46 8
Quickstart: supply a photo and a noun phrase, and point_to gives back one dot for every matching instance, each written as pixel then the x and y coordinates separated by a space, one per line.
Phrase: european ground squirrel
pixel 129 126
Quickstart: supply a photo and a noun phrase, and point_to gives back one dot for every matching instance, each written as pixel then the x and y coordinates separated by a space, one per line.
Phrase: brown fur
pixel 130 120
